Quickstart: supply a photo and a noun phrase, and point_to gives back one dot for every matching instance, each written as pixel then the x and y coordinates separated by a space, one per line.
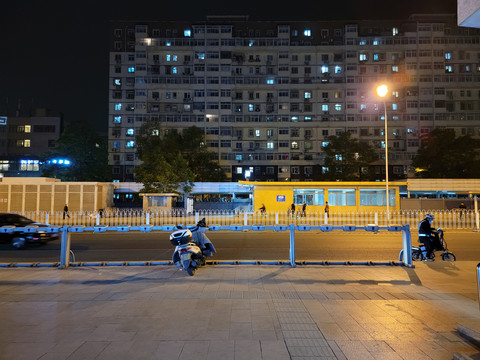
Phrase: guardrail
pixel 448 220
pixel 66 231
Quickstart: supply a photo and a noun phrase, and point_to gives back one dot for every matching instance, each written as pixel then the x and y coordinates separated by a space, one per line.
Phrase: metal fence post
pixel 478 281
pixel 292 245
pixel 407 245
pixel 65 248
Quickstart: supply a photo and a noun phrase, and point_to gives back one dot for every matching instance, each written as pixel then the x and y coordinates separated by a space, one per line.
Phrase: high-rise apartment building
pixel 268 94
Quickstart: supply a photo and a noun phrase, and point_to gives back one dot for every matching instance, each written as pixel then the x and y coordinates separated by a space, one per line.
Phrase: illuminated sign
pixel 280 198
pixel 3 120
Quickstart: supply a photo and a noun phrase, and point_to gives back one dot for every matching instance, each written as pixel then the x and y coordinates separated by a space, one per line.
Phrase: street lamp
pixel 382 91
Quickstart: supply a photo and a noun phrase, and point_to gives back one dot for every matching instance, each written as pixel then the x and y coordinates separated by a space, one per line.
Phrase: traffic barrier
pixel 67 257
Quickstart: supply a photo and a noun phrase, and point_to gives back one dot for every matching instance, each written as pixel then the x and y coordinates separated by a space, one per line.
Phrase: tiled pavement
pixel 238 312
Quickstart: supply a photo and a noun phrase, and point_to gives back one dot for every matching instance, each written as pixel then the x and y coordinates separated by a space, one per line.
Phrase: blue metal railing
pixel 66 231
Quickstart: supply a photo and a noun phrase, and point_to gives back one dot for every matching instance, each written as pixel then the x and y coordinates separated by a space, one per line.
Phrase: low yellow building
pixel 341 196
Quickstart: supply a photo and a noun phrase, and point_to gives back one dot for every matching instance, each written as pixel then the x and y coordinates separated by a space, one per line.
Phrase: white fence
pixel 466 220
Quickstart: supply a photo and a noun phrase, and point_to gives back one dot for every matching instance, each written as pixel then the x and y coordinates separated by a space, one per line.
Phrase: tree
pixel 348 159
pixel 86 152
pixel 442 155
pixel 173 159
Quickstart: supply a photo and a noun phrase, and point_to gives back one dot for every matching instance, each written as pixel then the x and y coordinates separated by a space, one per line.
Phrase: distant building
pixel 23 139
pixel 268 94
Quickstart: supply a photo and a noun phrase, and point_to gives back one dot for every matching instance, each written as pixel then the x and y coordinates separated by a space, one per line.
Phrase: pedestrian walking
pixel 462 208
pixel 304 208
pixel 292 209
pixel 327 209
pixel 65 212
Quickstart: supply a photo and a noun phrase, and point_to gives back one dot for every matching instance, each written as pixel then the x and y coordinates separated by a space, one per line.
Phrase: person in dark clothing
pixel 428 236
pixel 263 209
pixel 292 209
pixel 304 208
pixel 462 208
pixel 65 212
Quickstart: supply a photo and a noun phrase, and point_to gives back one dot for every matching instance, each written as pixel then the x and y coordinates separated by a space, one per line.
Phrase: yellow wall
pixel 267 192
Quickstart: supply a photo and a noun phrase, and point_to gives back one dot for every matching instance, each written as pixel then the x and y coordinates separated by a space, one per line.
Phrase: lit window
pixel 338 107
pixel 394 107
pixel 324 143
pixel 394 68
pixel 238 170
pixel 174 70
pixel 117 119
pixel 448 56
pixel 130 132
pixel 324 69
pixel 269 145
pixel 395 31
pixel 168 57
pixel 257 132
pixel 27 128
pixel 362 57
pixel 250 107
pixel 294 145
pixel 324 107
pixel 307 32
pixel 308 95
pixel 338 69
pixel 448 68
pixel 187 33
pixel 131 69
pixel 362 42
pixel 375 42
pixel 118 107
pixel 118 82
pixel 130 144
pixel 270 81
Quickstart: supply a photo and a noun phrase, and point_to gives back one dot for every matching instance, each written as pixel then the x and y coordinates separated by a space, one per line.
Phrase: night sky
pixel 55 54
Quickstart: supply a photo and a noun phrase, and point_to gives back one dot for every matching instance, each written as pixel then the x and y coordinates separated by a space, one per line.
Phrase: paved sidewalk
pixel 238 312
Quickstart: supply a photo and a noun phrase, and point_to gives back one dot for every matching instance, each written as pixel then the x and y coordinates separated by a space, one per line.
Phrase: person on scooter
pixel 199 237
pixel 428 236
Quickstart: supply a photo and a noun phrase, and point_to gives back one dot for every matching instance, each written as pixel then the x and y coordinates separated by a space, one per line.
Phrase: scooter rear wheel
pixel 448 256
pixel 417 255
pixel 191 271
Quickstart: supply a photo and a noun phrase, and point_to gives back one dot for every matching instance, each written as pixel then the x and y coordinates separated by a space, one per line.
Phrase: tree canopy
pixel 443 155
pixel 86 151
pixel 348 159
pixel 173 159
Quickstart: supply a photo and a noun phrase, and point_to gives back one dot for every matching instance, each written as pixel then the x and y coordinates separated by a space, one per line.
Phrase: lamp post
pixel 382 91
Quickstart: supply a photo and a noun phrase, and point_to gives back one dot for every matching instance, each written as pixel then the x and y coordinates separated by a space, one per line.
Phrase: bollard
pixel 65 248
pixel 292 245
pixel 407 246
pixel 276 218
pixel 245 219
pixel 147 219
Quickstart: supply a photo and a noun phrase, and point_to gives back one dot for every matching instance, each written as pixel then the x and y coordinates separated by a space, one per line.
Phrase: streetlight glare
pixel 382 90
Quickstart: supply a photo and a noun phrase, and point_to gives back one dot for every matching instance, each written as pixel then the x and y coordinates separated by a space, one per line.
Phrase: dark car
pixel 19 238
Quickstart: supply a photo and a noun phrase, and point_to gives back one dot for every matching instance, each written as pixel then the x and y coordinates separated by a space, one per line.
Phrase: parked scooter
pixel 192 247
pixel 420 253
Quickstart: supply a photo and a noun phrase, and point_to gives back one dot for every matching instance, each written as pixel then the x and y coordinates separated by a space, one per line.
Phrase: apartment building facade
pixel 23 139
pixel 268 94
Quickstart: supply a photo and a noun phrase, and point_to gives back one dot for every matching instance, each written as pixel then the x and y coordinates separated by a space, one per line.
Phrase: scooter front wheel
pixel 191 270
pixel 448 256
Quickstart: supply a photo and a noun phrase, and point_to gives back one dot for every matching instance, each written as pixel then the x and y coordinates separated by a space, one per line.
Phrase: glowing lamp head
pixel 382 90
